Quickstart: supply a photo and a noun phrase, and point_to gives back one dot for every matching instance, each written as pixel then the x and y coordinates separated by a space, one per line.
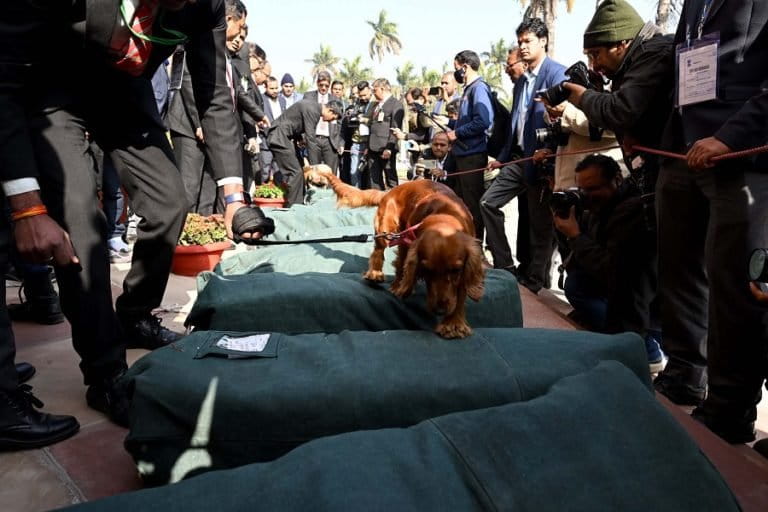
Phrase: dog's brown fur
pixel 445 253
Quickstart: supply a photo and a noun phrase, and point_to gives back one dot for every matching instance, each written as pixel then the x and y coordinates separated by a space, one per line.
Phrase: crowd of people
pixel 654 245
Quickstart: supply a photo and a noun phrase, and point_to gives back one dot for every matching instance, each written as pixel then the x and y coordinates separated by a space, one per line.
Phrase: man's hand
pixel 264 122
pixel 569 226
pixel 577 91
pixel 438 173
pixel 703 151
pixel 40 239
pixel 252 146
pixel 386 154
pixel 451 135
pixel 759 294
pixel 555 112
pixel 398 133
pixel 541 154
pixel 231 208
pixel 199 135
pixel 495 165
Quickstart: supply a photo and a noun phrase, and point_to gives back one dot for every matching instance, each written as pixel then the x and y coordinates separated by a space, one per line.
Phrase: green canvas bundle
pixel 330 258
pixel 276 392
pixel 595 441
pixel 315 302
pixel 302 221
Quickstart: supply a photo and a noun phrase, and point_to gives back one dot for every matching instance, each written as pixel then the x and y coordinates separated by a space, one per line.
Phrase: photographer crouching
pixel 612 267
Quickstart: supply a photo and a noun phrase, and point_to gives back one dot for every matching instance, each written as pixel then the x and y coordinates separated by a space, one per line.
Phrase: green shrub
pixel 268 191
pixel 199 230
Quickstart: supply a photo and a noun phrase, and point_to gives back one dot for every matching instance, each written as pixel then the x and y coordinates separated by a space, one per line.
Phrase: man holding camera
pixel 612 266
pixel 431 163
pixel 354 125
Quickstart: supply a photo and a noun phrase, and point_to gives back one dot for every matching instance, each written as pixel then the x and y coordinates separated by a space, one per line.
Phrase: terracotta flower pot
pixel 189 260
pixel 270 202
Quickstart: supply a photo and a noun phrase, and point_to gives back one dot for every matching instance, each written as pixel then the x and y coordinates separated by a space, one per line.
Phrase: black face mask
pixel 459 75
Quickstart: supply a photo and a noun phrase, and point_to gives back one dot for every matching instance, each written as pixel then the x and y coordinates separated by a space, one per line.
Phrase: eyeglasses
pixel 444 83
pixel 516 63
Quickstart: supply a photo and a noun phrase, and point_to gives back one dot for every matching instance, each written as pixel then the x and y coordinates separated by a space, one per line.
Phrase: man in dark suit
pixel 527 116
pixel 49 185
pixel 299 120
pixel 274 105
pixel 387 115
pixel 711 215
pixel 328 143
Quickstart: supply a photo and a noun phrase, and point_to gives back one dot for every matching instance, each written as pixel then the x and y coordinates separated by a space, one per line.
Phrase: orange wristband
pixel 32 211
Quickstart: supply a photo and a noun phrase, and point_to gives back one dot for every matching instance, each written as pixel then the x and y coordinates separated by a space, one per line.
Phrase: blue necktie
pixel 523 109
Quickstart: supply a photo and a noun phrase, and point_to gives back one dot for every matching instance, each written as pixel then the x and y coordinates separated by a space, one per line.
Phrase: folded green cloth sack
pixel 276 392
pixel 315 302
pixel 300 221
pixel 595 441
pixel 330 258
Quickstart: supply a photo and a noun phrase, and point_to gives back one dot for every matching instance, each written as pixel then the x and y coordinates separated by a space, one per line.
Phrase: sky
pixel 431 34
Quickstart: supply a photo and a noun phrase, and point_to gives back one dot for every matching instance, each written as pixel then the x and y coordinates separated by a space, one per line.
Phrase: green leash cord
pixel 178 37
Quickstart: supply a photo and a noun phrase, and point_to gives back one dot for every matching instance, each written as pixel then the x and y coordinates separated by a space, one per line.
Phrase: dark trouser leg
pixel 469 187
pixel 523 242
pixel 209 201
pixel 683 217
pixel 149 176
pixel 294 176
pixel 586 297
pixel 376 168
pixel 314 153
pixel 542 233
pixel 737 341
pixel 69 192
pixel 390 171
pixel 8 377
pixel 507 185
pixel 190 159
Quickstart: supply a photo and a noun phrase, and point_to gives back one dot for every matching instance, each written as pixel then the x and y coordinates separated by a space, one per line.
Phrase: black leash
pixel 345 238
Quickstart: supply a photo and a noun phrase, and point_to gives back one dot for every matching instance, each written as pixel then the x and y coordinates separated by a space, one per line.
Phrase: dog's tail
pixel 350 196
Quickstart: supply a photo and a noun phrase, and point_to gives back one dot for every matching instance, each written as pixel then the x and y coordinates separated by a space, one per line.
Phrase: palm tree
pixel 406 76
pixel 323 60
pixel 385 38
pixel 429 77
pixel 303 86
pixel 352 71
pixel 547 11
pixel 665 8
pixel 497 56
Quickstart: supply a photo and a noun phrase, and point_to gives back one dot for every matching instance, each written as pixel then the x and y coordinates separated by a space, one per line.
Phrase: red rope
pixel 732 154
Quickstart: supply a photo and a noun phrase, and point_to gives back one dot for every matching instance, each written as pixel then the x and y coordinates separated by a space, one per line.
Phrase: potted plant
pixel 269 194
pixel 200 245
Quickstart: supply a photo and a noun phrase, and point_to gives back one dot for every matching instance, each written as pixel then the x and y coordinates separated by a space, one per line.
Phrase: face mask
pixel 459 75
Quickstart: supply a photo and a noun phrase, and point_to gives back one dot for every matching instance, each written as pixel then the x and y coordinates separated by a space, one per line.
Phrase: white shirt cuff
pixel 20 186
pixel 229 181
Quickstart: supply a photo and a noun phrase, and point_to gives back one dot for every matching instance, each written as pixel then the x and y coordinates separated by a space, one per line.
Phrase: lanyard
pixel 178 38
pixel 702 19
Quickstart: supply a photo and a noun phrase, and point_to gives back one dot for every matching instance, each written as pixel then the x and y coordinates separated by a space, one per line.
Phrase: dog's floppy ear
pixel 410 272
pixel 474 273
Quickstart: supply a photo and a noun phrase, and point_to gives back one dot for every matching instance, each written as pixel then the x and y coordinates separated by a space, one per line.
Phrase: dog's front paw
pixel 374 275
pixel 453 330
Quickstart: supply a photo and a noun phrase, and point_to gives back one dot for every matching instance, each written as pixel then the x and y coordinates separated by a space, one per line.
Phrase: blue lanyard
pixel 704 14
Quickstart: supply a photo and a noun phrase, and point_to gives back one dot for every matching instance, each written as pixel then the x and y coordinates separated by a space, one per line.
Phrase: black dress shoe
pixel 45 311
pixel 735 430
pixel 146 332
pixel 23 427
pixel 678 392
pixel 110 396
pixel 25 371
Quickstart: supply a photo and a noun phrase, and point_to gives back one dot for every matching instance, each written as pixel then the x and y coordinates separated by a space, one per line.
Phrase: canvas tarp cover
pixel 330 257
pixel 595 441
pixel 299 388
pixel 315 302
pixel 302 221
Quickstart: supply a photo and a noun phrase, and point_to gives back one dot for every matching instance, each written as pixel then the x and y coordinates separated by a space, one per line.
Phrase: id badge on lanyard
pixel 696 65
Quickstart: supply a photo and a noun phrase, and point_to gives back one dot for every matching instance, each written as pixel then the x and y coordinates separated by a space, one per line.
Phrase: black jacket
pixel 619 252
pixel 80 31
pixel 390 115
pixel 299 119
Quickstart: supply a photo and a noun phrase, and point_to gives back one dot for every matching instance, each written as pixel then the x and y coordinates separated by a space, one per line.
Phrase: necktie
pixel 135 54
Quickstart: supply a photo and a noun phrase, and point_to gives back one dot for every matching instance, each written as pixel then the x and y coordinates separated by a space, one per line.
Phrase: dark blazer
pixel 300 119
pixel 334 130
pixel 182 115
pixel 83 36
pixel 737 116
pixel 268 107
pixel 390 115
pixel 249 103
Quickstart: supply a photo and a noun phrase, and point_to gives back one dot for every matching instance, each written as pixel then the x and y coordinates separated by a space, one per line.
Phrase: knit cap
pixel 287 79
pixel 614 21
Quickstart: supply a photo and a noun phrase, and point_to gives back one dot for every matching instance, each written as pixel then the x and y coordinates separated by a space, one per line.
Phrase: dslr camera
pixel 553 132
pixel 560 202
pixel 352 115
pixel 578 74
